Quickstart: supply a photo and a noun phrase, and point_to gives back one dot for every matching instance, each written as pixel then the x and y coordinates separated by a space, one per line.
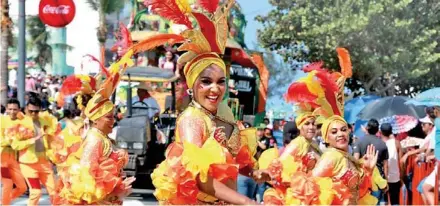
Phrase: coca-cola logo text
pixel 61 9
pixel 56 13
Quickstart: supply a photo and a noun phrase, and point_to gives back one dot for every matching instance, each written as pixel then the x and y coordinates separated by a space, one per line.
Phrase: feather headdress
pixel 321 91
pixel 203 44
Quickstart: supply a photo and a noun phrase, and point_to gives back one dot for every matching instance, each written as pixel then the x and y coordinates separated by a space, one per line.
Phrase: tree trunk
pixel 102 33
pixel 5 42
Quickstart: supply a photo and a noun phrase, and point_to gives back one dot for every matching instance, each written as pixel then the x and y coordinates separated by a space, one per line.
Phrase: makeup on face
pixel 338 136
pixel 210 87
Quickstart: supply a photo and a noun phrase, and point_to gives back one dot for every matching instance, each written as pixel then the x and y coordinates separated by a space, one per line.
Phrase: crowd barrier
pixel 419 170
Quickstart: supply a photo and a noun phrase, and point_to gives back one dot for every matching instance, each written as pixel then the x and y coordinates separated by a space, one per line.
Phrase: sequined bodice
pixel 350 176
pixel 225 132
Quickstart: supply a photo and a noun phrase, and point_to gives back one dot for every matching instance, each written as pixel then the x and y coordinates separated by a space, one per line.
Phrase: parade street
pixel 136 199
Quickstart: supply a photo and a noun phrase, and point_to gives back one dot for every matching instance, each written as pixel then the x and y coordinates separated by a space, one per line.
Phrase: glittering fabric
pixel 205 146
pixel 93 176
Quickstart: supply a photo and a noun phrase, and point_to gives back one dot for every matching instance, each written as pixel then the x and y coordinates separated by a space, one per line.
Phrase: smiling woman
pixel 210 150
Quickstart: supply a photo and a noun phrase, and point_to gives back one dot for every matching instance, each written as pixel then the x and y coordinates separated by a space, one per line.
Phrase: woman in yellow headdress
pixel 93 175
pixel 338 178
pixel 202 165
pixel 317 95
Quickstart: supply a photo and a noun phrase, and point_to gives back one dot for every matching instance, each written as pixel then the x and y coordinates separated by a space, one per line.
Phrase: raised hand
pixel 261 176
pixel 370 158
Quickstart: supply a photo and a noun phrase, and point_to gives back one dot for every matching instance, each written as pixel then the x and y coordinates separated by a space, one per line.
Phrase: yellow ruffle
pixel 165 186
pixel 368 199
pixel 83 188
pixel 267 157
pixel 198 160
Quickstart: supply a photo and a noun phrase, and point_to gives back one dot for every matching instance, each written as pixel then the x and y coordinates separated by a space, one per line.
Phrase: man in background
pixel 34 163
pixel 144 96
pixel 360 149
pixel 394 155
pixel 10 169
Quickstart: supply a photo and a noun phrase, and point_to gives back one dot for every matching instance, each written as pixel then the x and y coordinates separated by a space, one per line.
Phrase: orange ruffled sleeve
pixel 94 178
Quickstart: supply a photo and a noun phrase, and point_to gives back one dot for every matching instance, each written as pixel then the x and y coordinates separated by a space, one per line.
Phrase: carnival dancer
pixel 338 178
pixel 10 168
pixel 319 94
pixel 202 165
pixel 94 173
pixel 31 139
pixel 69 140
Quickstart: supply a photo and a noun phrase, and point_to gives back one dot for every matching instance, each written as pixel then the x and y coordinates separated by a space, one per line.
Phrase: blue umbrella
pixel 429 97
pixel 354 106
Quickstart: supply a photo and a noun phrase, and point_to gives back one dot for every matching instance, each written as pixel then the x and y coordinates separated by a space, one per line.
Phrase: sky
pixel 251 9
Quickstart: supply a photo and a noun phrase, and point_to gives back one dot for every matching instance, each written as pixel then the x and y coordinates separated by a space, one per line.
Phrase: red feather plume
pixel 170 10
pixel 101 66
pixel 124 39
pixel 313 66
pixel 299 93
pixel 156 41
pixel 73 84
pixel 209 5
pixel 330 89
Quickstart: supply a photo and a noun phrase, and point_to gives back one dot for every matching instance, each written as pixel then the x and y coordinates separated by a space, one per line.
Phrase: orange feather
pixel 345 62
pixel 190 47
pixel 157 40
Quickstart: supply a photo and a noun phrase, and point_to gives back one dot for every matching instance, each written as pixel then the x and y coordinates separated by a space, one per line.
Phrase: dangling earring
pixel 190 92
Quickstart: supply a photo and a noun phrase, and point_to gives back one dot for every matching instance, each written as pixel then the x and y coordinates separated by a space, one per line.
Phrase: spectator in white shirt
pixel 429 129
pixel 144 96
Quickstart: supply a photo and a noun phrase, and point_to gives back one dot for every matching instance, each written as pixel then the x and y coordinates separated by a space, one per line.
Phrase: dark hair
pixel 13 101
pixel 85 99
pixel 34 100
pixel 430 112
pixel 290 131
pixel 3 109
pixel 68 114
pixel 373 127
pixel 271 131
pixel 386 129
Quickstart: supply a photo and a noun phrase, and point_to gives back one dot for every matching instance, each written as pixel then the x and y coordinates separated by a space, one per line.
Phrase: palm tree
pixel 39 37
pixel 6 41
pixel 104 7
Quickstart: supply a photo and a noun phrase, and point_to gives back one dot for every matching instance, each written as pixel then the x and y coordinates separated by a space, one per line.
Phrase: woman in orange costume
pixel 93 175
pixel 337 178
pixel 202 165
pixel 69 139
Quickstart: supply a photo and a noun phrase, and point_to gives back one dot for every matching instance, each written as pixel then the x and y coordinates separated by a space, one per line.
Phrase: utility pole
pixel 21 51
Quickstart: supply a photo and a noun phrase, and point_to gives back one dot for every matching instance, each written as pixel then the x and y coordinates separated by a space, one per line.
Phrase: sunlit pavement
pixel 135 199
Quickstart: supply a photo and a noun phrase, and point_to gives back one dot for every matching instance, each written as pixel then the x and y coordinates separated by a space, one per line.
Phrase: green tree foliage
pixel 392 43
pixel 39 40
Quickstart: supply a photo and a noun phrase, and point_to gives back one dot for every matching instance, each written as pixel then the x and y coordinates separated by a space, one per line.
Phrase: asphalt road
pixel 138 198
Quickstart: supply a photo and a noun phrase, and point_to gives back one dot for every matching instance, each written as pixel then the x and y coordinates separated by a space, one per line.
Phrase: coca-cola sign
pixel 56 13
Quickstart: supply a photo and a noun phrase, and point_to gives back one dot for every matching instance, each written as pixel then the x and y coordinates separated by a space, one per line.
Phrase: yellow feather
pixel 184 6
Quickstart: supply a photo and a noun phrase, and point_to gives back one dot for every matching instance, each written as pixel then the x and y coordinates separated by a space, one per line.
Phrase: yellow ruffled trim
pixel 165 186
pixel 84 188
pixel 290 166
pixel 198 160
pixel 368 199
pixel 325 196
